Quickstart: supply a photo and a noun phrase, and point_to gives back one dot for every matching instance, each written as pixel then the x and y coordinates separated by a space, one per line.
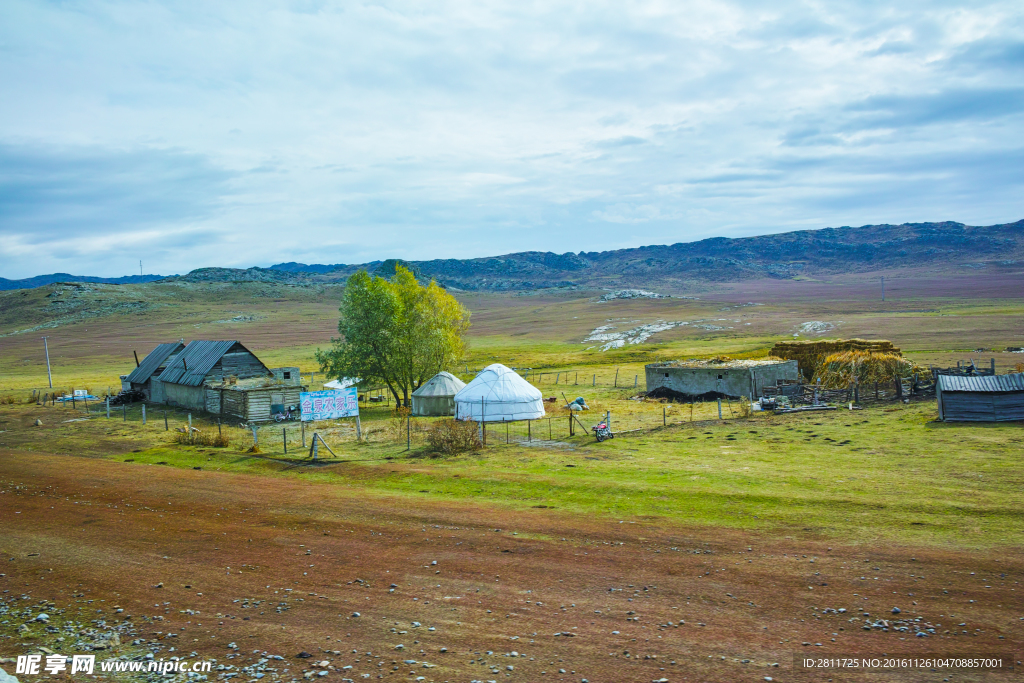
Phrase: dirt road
pixel 401 590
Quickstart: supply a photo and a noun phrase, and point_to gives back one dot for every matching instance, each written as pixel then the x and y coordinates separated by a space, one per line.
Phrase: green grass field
pixel 873 475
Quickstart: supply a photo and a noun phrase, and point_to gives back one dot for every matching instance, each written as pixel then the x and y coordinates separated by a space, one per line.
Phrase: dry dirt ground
pixel 279 567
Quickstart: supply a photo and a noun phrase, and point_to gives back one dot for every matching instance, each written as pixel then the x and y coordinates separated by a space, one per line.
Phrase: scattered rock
pixel 6 677
pixel 38 423
pixel 303 655
pixel 896 610
pixel 43 617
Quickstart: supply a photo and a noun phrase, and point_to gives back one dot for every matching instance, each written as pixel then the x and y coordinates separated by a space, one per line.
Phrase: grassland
pixel 783 510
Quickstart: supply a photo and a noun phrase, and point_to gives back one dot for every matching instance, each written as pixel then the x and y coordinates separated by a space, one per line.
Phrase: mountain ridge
pixel 717 259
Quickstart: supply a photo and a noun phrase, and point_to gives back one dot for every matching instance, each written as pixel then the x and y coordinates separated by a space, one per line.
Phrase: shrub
pixel 454 436
pixel 6 400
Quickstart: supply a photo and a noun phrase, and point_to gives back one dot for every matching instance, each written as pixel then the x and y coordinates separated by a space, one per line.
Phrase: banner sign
pixel 329 405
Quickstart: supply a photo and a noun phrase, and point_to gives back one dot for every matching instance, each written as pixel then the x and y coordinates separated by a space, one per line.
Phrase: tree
pixel 395 332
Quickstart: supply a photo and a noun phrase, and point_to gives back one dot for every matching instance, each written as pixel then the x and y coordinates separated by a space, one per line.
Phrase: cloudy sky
pixel 196 134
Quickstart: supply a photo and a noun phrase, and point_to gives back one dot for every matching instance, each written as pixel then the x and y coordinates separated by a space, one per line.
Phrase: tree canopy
pixel 395 332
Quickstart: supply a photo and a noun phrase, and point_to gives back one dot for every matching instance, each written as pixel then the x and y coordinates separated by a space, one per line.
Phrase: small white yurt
pixel 499 395
pixel 436 396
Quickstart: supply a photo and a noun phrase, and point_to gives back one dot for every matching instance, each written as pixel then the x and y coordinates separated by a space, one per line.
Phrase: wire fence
pixel 380 423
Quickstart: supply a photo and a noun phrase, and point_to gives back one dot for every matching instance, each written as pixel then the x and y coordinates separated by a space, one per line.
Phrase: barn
pixel 226 379
pixel 145 377
pixel 988 398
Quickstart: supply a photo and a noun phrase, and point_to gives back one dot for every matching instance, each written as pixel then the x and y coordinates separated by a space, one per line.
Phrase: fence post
pixel 167 427
pixel 719 408
pixel 557 375
pixel 408 432
pixel 608 419
pixel 143 413
pixel 529 435
pixel 219 432
pixel 255 434
pixel 284 439
pixel 664 416
pixel 636 378
pixel 359 430
pixel 190 423
pixel 124 412
pixel 577 381
pixel 616 378
pixel 108 407
pixel 593 382
pixel 303 424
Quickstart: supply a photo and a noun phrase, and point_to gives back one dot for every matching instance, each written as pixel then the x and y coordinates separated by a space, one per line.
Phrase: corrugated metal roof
pixel 152 362
pixel 191 365
pixel 986 383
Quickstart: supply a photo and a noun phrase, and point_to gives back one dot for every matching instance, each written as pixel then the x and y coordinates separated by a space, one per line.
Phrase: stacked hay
pixel 838 370
pixel 810 354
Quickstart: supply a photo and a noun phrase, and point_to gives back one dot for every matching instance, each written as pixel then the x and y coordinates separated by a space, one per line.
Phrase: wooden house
pixel 226 379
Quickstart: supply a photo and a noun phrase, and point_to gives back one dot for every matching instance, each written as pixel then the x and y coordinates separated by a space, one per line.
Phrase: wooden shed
pixel 990 398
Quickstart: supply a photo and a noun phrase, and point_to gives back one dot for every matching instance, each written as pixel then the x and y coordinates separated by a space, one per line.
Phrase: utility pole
pixel 140 268
pixel 883 288
pixel 49 375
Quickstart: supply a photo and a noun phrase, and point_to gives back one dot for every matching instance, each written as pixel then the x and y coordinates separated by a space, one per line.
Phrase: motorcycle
pixel 602 432
pixel 290 414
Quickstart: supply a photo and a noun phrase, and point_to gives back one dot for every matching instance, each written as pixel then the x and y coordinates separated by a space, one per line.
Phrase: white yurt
pixel 436 396
pixel 499 395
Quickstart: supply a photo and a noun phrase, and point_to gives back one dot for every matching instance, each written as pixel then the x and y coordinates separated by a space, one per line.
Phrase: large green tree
pixel 395 332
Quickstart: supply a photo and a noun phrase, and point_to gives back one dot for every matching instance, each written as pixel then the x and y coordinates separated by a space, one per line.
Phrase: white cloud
pixel 368 129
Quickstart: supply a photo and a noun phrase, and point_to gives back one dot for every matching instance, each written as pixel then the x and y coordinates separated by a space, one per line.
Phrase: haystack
pixel 810 354
pixel 838 370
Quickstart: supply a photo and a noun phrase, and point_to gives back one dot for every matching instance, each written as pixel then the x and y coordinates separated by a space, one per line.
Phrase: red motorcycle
pixel 602 432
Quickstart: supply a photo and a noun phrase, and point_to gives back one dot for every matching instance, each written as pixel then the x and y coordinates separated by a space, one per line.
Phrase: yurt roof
pixel 499 383
pixel 441 384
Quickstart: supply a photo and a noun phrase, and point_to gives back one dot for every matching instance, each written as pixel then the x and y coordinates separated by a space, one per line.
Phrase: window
pixel 666 374
pixel 287 375
pixel 719 377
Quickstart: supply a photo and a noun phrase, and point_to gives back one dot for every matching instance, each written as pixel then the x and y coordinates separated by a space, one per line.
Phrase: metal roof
pixel 984 383
pixel 191 365
pixel 152 362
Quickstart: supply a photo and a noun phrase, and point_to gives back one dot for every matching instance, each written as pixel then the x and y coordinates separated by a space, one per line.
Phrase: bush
pixel 200 438
pixel 453 436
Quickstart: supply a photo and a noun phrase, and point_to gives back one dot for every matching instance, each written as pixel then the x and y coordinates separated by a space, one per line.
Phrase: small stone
pixel 356 615
pixel 399 647
pixel 43 617
pixel 302 655
pixel 38 423
pixel 896 610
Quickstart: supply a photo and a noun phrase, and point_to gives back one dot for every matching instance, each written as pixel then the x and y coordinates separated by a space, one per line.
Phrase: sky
pixel 237 134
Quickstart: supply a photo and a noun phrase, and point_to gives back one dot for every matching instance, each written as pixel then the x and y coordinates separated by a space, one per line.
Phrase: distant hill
pixel 721 259
pixel 40 280
pixel 945 245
